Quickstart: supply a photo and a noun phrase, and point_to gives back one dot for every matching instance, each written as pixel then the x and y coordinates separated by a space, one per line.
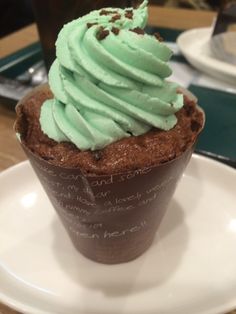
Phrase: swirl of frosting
pixel 108 81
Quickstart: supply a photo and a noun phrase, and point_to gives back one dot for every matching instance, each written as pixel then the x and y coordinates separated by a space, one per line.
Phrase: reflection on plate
pixel 194 45
pixel 190 267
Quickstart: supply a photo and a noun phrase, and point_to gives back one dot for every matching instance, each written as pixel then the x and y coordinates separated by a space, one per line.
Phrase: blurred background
pixel 15 14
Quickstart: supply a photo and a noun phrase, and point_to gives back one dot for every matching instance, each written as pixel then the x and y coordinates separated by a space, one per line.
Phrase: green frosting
pixel 109 81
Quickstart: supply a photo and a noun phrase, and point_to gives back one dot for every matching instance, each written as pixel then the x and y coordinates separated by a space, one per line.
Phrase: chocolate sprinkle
pixel 115 18
pixel 158 37
pixel 195 126
pixel 102 33
pixel 129 14
pixel 97 155
pixel 138 30
pixel 91 24
pixel 107 12
pixel 115 30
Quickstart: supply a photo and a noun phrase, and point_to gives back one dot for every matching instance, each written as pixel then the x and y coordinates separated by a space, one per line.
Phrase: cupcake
pixel 110 137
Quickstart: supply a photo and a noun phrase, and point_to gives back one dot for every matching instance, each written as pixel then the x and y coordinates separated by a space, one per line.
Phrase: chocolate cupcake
pixel 110 138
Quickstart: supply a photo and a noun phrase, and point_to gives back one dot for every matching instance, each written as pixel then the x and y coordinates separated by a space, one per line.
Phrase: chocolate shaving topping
pixel 107 12
pixel 97 155
pixel 138 30
pixel 115 18
pixel 158 36
pixel 91 24
pixel 129 14
pixel 195 126
pixel 104 12
pixel 115 30
pixel 102 33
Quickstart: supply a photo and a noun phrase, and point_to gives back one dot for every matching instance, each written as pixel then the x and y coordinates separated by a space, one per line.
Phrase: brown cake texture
pixel 152 148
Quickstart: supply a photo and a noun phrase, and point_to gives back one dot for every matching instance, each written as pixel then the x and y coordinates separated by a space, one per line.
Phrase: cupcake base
pixel 111 210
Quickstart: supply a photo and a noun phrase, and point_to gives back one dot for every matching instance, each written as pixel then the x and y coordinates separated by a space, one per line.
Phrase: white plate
pixel 190 267
pixel 194 45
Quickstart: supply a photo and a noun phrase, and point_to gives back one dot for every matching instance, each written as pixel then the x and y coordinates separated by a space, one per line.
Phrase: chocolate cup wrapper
pixel 110 218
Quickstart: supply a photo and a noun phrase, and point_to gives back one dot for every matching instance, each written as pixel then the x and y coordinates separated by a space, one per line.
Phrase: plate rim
pixel 28 309
pixel 204 60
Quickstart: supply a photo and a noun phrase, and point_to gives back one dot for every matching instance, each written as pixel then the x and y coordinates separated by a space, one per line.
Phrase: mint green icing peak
pixel 108 80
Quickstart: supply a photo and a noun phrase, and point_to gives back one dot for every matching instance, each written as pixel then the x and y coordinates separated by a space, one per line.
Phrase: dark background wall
pixel 14 14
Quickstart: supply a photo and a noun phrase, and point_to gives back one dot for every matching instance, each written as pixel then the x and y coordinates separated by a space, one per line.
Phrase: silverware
pixel 34 76
pixel 12 89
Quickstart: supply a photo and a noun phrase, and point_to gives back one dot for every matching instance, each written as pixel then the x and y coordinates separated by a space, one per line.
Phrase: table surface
pixel 11 152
